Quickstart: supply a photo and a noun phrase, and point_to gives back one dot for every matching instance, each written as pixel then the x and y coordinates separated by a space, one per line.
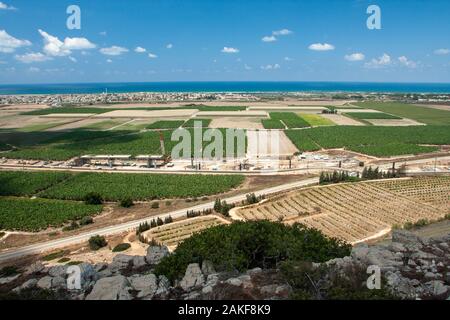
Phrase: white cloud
pixel 109 60
pixel 247 67
pixel 288 59
pixel 381 62
pixel 9 44
pixel 140 50
pixel 152 56
pixel 33 69
pixel 321 47
pixel 74 60
pixel 55 47
pixel 32 57
pixel 407 63
pixel 442 52
pixel 103 33
pixel 4 6
pixel 230 50
pixel 78 44
pixel 113 51
pixel 282 32
pixel 271 67
pixel 269 39
pixel 169 46
pixel 355 57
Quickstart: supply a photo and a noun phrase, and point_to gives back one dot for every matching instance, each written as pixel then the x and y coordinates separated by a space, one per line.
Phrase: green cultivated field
pixel 76 143
pixel 316 120
pixel 291 119
pixel 38 214
pixel 21 183
pixel 371 115
pixel 272 124
pixel 372 140
pixel 166 124
pixel 117 186
pixel 191 122
pixel 421 114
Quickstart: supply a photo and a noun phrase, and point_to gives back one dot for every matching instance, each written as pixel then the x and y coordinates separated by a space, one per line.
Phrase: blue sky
pixel 218 40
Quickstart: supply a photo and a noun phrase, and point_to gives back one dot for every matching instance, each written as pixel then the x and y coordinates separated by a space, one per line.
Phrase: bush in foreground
pixel 126 203
pixel 97 242
pixel 245 245
pixel 93 198
pixel 121 247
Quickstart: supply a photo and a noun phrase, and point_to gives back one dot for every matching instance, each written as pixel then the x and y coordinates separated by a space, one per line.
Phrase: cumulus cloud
pixel 288 59
pixel 321 47
pixel 109 60
pixel 4 6
pixel 57 48
pixel 404 61
pixel 114 51
pixel 74 60
pixel 140 50
pixel 32 57
pixel 271 67
pixel 282 32
pixel 355 57
pixel 269 39
pixel 275 34
pixel 169 46
pixel 442 52
pixel 381 62
pixel 230 50
pixel 152 56
pixel 9 44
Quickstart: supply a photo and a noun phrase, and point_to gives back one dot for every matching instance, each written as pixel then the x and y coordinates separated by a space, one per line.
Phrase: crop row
pixel 290 119
pixel 19 183
pixel 372 115
pixel 374 140
pixel 38 214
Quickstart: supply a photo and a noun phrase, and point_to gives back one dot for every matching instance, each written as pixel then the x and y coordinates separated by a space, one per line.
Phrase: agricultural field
pixel 272 124
pixel 166 124
pixel 191 122
pixel 316 120
pixel 20 183
pixel 117 186
pixel 290 119
pixel 432 190
pixel 173 234
pixel 352 212
pixel 372 140
pixel 421 114
pixel 98 110
pixel 38 214
pixel 371 115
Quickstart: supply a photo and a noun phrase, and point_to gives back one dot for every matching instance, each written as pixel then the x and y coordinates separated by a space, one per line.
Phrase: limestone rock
pixel 120 262
pixel 45 283
pixel 192 278
pixel 146 285
pixel 208 268
pixel 155 254
pixel 112 288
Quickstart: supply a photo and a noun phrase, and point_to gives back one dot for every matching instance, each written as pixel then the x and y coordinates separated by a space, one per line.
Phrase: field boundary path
pixel 128 226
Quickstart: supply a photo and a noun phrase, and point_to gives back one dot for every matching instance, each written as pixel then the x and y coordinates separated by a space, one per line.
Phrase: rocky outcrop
pixel 411 268
pixel 111 288
pixel 155 254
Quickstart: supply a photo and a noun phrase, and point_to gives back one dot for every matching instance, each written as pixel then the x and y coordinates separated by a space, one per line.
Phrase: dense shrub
pixel 86 220
pixel 126 203
pixel 93 198
pixel 155 205
pixel 97 242
pixel 321 283
pixel 245 245
pixel 121 247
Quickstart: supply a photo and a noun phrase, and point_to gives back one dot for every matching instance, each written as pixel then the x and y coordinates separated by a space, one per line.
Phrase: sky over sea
pixel 223 40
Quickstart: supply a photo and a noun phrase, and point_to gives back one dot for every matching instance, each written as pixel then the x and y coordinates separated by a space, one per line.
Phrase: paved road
pixel 128 226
